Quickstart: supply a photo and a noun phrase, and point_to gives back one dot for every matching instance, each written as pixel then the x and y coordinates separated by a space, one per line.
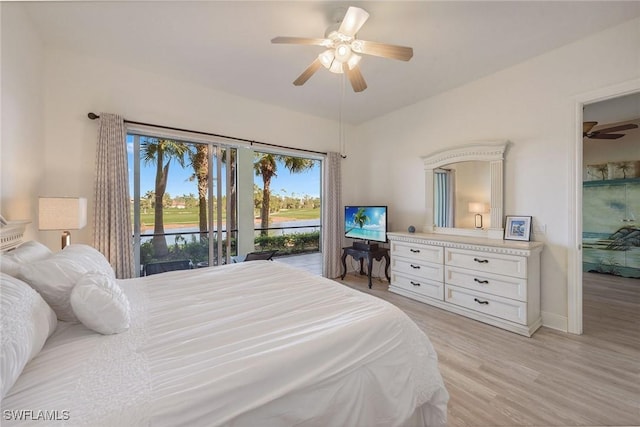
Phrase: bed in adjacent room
pixel 247 344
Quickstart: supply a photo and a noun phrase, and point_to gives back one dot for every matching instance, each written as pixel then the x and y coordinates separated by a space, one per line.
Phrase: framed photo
pixel 517 228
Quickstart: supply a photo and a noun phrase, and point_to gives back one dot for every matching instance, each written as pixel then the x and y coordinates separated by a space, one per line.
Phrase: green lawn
pixel 172 216
pixel 294 214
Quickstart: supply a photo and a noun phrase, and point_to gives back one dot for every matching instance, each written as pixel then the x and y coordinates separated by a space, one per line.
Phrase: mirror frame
pixel 489 151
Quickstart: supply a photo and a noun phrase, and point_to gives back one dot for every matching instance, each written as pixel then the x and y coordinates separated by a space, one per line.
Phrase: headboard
pixel 11 234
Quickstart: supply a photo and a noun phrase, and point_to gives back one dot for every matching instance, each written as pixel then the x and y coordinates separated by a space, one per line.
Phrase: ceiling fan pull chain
pixel 341 129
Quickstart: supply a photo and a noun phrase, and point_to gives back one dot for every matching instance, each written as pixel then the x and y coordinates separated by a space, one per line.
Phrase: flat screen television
pixel 366 223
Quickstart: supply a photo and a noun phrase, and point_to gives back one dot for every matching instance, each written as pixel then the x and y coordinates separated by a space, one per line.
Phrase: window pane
pixel 287 203
pixel 176 219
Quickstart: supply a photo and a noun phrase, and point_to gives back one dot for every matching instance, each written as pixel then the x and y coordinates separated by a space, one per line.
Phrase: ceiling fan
pixel 343 49
pixel 605 133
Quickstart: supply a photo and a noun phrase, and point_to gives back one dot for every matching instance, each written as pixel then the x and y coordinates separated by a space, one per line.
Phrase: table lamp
pixel 477 208
pixel 62 213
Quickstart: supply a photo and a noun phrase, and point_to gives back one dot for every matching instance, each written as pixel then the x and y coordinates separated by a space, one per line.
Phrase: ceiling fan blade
pixel 353 20
pixel 306 74
pixel 596 135
pixel 382 49
pixel 302 40
pixel 617 128
pixel 355 77
pixel 587 126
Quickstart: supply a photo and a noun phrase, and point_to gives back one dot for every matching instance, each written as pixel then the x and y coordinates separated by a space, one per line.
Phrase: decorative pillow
pixel 55 277
pixel 27 252
pixel 26 321
pixel 100 304
pixel 91 258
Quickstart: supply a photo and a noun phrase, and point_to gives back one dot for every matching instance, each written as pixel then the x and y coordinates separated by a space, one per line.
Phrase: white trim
pixel 181 135
pixel 554 321
pixel 574 267
pixel 11 234
pixel 487 151
pixel 187 136
pixel 483 151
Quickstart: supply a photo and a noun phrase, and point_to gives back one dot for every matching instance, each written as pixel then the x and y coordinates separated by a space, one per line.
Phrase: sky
pixel 285 183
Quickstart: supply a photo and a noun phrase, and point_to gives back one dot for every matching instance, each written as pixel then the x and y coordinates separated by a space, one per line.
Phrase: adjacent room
pixel 320 213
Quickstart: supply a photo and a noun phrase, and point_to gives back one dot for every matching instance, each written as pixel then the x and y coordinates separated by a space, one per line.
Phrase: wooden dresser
pixel 489 280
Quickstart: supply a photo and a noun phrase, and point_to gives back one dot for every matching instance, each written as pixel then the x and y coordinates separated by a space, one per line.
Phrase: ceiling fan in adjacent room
pixel 605 133
pixel 343 49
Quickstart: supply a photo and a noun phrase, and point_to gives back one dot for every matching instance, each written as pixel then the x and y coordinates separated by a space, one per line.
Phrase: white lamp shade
pixel 62 213
pixel 477 207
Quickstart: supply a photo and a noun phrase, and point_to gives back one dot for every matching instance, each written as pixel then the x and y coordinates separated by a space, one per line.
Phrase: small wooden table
pixel 369 255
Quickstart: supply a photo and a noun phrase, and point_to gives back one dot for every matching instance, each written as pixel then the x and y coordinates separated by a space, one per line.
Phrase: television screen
pixel 366 222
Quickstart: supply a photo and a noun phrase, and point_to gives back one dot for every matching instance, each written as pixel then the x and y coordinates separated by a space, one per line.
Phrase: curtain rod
pixel 94 116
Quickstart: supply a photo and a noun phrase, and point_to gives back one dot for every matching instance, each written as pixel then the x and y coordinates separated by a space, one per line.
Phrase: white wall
pixel 533 106
pixel 21 118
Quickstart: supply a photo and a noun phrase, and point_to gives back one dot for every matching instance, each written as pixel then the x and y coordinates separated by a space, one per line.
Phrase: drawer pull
pixel 417 267
pixel 415 283
pixel 481 261
pixel 480 302
pixel 482 282
pixel 415 251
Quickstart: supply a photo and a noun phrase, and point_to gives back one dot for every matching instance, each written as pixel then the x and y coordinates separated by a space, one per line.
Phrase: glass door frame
pixel 214 153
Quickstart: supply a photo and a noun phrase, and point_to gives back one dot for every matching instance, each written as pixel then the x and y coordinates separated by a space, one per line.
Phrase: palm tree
pixel 266 165
pixel 603 169
pixel 624 167
pixel 161 152
pixel 200 163
pixel 360 218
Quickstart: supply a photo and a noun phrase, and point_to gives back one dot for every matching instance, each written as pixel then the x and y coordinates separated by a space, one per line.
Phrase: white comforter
pixel 250 344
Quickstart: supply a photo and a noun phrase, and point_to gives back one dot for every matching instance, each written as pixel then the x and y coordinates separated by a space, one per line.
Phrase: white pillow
pixel 91 258
pixel 55 277
pixel 100 304
pixel 26 321
pixel 27 252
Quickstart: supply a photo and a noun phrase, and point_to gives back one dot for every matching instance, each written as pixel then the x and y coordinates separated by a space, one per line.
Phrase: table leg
pixel 386 269
pixel 344 264
pixel 370 259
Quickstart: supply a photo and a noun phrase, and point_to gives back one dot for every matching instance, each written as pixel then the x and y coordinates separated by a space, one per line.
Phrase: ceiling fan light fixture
pixel 336 67
pixel 343 52
pixel 327 58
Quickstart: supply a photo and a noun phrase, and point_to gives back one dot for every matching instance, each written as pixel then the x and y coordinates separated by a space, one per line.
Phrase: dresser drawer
pixel 504 308
pixel 495 284
pixel 418 269
pixel 417 252
pixel 510 265
pixel 429 288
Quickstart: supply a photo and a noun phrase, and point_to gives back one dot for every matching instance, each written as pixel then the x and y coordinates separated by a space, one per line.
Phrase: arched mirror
pixel 464 187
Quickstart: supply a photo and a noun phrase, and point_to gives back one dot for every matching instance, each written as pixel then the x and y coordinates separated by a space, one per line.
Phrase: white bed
pixel 250 344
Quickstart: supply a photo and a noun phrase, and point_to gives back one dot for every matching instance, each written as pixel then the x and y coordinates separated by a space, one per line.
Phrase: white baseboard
pixel 555 321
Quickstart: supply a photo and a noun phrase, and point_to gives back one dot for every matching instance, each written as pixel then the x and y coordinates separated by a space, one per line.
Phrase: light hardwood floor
pixel 498 378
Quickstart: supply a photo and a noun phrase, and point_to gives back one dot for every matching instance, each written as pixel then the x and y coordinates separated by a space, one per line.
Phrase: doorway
pixel 575 279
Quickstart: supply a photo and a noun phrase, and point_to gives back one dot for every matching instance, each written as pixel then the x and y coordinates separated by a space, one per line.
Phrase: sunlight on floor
pixel 310 262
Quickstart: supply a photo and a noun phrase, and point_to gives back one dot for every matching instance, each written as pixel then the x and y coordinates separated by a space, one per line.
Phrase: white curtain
pixel 332 212
pixel 111 219
pixel 443 209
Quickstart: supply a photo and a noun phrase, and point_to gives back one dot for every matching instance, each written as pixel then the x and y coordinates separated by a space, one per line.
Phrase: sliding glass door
pixel 184 206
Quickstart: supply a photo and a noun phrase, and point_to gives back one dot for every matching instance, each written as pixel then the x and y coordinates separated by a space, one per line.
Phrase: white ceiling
pixel 226 45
